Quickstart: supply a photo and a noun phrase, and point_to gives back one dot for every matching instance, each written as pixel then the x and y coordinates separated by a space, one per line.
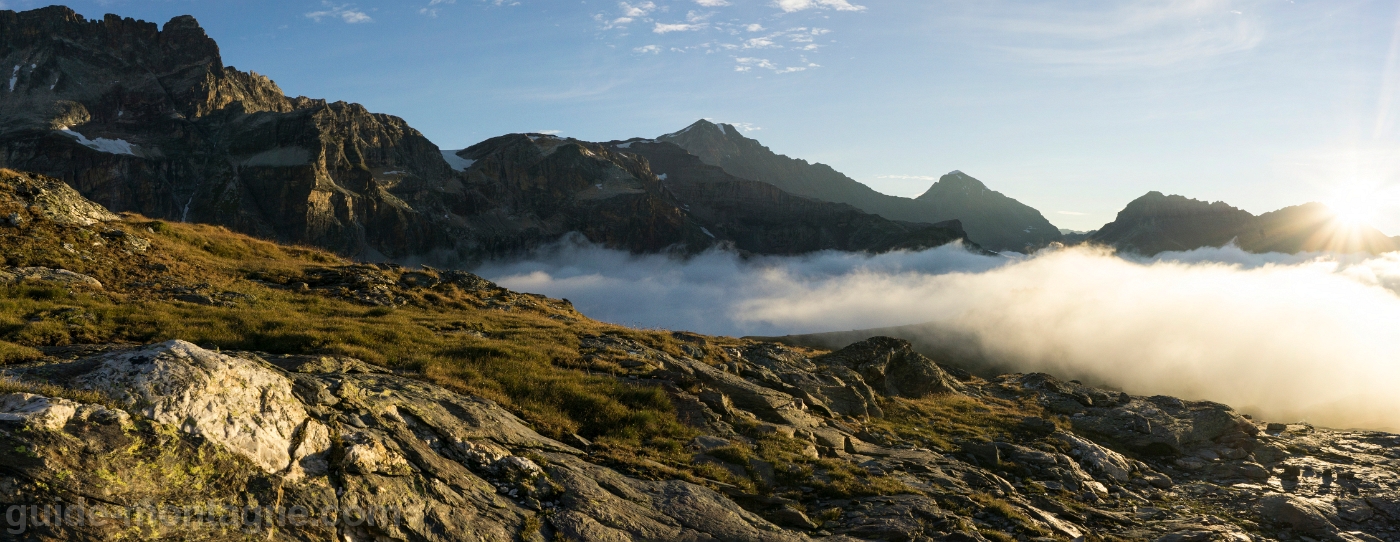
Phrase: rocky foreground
pixel 177 427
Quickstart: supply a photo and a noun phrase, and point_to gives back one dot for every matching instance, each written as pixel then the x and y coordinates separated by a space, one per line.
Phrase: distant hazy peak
pixel 1155 203
pixel 954 181
pixel 704 127
pixel 992 219
pixel 1155 222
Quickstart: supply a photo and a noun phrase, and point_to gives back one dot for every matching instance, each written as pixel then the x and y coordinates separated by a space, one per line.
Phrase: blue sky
pixel 1072 107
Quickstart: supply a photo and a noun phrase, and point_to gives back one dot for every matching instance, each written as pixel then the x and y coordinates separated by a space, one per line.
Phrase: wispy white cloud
pixel 433 11
pixel 344 12
pixel 1390 82
pixel 744 126
pixel 629 12
pixel 799 5
pixel 1134 34
pixel 758 43
pixel 664 28
pixel 639 10
pixel 745 64
pixel 721 30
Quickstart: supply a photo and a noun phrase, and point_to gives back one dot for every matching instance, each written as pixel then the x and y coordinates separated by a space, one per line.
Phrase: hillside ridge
pixel 1157 223
pixel 443 407
pixel 992 220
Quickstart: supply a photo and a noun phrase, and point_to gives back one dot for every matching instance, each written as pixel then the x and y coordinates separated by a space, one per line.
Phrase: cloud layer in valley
pixel 1300 337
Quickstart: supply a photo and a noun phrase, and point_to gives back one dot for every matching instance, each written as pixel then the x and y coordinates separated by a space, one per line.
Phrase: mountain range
pixel 1156 223
pixel 992 219
pixel 148 119
pixel 168 381
pixel 165 378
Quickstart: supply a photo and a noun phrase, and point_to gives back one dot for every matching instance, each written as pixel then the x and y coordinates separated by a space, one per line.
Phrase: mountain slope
pixel 1000 219
pixel 149 120
pixel 761 218
pixel 1156 223
pixel 238 389
pixel 991 219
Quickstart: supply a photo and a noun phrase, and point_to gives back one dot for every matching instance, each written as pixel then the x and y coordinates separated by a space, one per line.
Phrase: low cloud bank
pixel 1286 337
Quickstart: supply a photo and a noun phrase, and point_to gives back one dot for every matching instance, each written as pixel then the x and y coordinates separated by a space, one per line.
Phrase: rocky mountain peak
pixel 716 144
pixel 1157 204
pixel 182 37
pixel 705 128
pixel 1156 222
pixel 993 220
pixel 66 70
pixel 954 181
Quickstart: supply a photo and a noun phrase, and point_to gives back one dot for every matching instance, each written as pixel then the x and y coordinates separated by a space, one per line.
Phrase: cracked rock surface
pixel 181 425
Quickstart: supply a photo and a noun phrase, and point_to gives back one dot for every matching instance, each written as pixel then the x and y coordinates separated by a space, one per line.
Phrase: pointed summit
pixel 992 220
pixel 1157 222
pixel 715 144
pixel 703 128
pixel 954 181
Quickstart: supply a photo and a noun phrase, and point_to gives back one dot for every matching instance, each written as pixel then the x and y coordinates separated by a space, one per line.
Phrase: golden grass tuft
pixel 14 353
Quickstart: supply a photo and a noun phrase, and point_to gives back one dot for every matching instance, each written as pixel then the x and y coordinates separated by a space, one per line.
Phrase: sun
pixel 1355 204
pixel 1352 210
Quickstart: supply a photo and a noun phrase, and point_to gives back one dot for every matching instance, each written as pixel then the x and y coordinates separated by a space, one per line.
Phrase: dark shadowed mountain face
pixel 524 190
pixel 759 217
pixel 992 219
pixel 147 119
pixel 1312 227
pixel 1156 223
pixel 1001 220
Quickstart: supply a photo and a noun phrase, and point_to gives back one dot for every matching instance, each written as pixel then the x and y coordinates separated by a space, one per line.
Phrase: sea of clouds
pixel 1312 337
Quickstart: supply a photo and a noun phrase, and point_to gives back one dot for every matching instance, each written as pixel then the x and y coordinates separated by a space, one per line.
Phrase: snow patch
pixel 674 134
pixel 14 78
pixel 456 162
pixel 628 144
pixel 102 144
pixel 721 129
pixel 661 176
pixel 707 232
pixel 395 172
pixel 956 172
